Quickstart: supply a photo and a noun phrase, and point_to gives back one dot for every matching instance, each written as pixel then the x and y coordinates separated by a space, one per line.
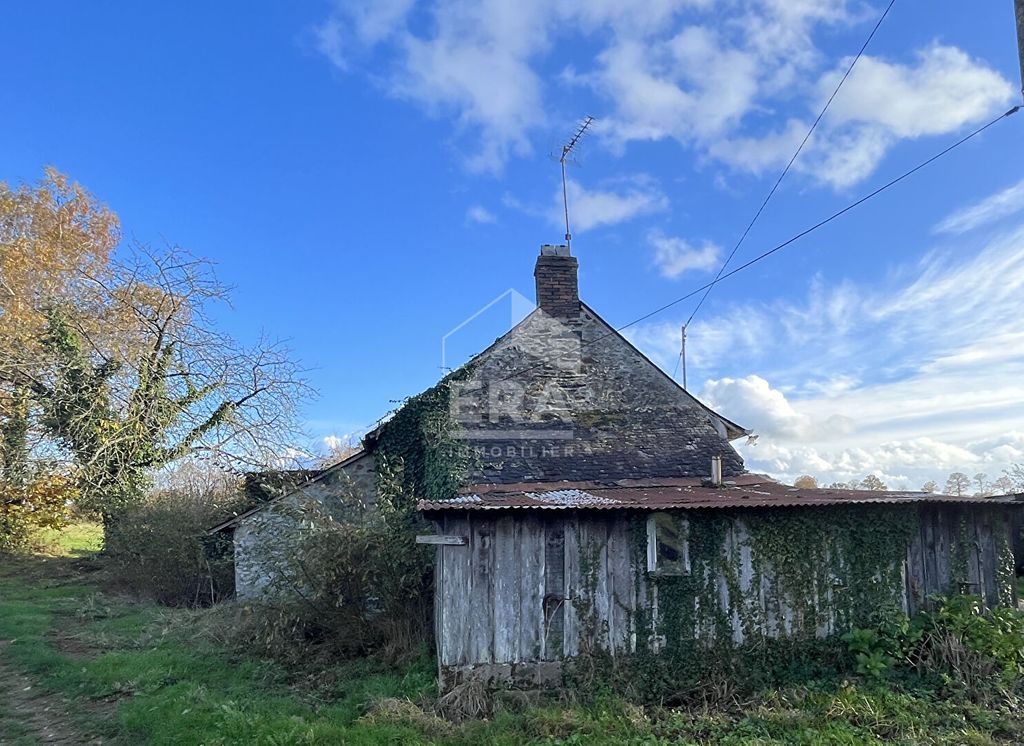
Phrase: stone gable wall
pixel 569 399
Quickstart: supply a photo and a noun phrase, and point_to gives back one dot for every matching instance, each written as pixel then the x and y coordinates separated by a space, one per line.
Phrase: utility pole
pixel 1019 6
pixel 682 356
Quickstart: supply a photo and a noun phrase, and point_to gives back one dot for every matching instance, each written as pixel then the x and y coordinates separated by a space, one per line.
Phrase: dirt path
pixel 35 716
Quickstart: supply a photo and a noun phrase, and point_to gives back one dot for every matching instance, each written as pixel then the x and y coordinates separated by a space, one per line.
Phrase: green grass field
pixel 81 665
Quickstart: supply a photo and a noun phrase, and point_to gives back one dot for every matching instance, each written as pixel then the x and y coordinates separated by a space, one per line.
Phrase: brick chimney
pixel 558 292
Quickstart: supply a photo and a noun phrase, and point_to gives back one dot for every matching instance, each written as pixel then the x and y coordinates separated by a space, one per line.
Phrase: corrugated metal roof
pixel 749 491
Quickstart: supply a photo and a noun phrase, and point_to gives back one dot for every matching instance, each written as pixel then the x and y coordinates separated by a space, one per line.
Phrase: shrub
pixel 959 640
pixel 353 589
pixel 160 548
pixel 41 503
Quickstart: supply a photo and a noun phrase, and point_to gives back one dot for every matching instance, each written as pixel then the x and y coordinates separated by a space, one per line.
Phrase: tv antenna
pixel 682 356
pixel 566 151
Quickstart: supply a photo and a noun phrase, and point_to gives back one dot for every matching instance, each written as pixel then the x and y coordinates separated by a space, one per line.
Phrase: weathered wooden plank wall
pixel 546 585
pixel 960 548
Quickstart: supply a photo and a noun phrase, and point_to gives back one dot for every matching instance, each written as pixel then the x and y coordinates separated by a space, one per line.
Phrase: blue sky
pixel 369 175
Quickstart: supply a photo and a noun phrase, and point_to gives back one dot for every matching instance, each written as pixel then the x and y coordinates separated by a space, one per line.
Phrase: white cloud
pixel 881 103
pixel 694 71
pixel 918 373
pixel 674 256
pixel 1002 204
pixel 480 214
pixel 600 206
pixel 796 440
pixel 943 91
pixel 335 442
pixel 754 403
pixel 329 40
pixel 357 24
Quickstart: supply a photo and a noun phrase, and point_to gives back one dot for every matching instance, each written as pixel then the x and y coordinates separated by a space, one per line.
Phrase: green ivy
pixel 419 451
pixel 837 565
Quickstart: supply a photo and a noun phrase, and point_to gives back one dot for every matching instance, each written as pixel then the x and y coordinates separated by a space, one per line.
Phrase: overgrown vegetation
pixel 103 667
pixel 961 642
pixel 338 590
pixel 344 581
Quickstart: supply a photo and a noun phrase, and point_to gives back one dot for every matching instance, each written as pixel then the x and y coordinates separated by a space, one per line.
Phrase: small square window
pixel 667 550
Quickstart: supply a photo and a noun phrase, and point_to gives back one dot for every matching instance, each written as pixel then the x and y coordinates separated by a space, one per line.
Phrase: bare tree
pixel 157 382
pixel 1003 485
pixel 930 486
pixel 982 485
pixel 338 449
pixel 1015 475
pixel 957 484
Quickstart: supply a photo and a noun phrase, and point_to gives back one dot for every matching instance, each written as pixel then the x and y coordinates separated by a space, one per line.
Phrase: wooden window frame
pixel 655 566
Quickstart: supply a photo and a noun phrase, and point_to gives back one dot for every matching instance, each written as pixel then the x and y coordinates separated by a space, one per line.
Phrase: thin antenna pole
pixel 682 356
pixel 1019 8
pixel 565 203
pixel 566 150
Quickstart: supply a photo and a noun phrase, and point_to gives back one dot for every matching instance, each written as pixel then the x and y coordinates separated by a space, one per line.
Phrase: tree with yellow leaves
pixel 112 365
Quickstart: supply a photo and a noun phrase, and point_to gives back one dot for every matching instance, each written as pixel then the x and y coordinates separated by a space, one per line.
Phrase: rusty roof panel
pixel 682 494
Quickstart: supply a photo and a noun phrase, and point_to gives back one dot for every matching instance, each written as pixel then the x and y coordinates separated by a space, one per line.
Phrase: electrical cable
pixel 792 160
pixel 788 242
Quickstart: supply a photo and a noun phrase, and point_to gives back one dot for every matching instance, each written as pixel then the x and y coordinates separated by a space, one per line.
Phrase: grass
pixel 78 539
pixel 108 668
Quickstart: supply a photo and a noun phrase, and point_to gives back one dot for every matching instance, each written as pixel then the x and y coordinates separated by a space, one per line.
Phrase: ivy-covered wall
pixel 532 587
pixel 420 452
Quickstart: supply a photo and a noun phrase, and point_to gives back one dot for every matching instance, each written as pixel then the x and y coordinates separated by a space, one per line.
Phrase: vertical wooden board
pixel 771 606
pixel 972 535
pixel 596 548
pixel 933 583
pixel 643 603
pixel 750 601
pixel 986 557
pixel 531 587
pixel 915 570
pixel 621 584
pixel 506 590
pixel 439 594
pixel 554 587
pixel 728 559
pixel 573 589
pixel 904 601
pixel 480 607
pixel 1008 527
pixel 945 531
pixel 454 595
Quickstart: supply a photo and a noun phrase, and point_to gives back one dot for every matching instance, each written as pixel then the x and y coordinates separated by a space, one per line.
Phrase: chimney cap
pixel 548 249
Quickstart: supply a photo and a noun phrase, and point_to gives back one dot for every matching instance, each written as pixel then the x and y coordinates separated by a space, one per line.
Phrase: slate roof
pixel 747 491
pixel 316 476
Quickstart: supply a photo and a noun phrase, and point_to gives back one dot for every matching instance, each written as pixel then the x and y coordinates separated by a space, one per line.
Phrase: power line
pixel 784 244
pixel 792 160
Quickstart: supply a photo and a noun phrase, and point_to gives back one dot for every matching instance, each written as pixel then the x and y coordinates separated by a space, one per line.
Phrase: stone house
pixel 561 396
pixel 582 499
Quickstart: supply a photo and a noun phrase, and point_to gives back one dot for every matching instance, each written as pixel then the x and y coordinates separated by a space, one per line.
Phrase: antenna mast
pixel 682 356
pixel 1019 12
pixel 566 150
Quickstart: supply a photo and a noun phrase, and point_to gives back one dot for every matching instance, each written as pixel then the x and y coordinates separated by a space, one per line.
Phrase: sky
pixel 374 180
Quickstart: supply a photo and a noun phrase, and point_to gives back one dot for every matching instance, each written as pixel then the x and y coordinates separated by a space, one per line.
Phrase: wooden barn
pixel 582 498
pixel 530 575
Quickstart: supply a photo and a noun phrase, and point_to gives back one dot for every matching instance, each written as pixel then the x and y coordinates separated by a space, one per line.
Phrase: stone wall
pixel 568 398
pixel 348 492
